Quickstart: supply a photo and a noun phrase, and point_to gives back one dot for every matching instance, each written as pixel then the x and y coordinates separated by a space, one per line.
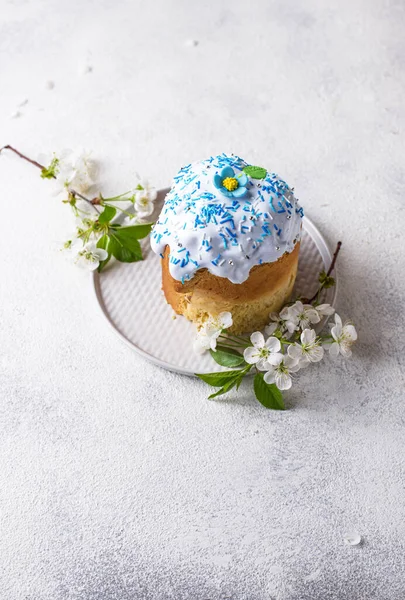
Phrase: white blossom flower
pixel 344 337
pixel 70 169
pixel 84 209
pixel 302 315
pixel 280 322
pixel 309 351
pixel 72 246
pixel 324 310
pixel 210 331
pixel 130 220
pixel 76 170
pixel 261 350
pixel 89 256
pixel 144 199
pixel 279 367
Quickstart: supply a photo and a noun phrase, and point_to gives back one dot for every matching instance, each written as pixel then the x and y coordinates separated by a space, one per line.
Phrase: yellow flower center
pixel 230 183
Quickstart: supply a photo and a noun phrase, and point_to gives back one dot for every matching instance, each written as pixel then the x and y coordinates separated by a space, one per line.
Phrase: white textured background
pixel 119 481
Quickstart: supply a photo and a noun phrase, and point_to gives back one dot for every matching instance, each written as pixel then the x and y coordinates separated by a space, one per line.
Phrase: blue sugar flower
pixel 229 184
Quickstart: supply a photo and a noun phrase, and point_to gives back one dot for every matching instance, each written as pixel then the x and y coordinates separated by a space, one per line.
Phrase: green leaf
pixel 227 357
pixel 104 242
pixel 124 251
pixel 51 171
pixel 124 242
pixel 326 280
pixel 268 394
pixel 329 282
pixel 255 172
pixel 228 386
pixel 220 379
pixel 135 232
pixel 108 213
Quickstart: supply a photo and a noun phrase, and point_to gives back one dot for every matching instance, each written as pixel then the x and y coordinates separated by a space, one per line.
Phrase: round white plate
pixel 133 303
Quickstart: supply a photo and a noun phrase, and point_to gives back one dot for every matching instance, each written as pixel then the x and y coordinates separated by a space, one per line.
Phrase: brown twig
pixel 74 193
pixel 42 167
pixel 332 266
pixel 335 255
pixel 33 162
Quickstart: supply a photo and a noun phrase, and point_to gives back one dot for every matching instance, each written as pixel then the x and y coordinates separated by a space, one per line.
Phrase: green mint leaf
pixel 124 250
pixel 268 394
pixel 51 171
pixel 255 172
pixel 226 357
pixel 108 213
pixel 219 379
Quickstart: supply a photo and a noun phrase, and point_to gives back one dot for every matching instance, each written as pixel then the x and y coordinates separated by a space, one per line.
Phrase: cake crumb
pixel 50 84
pixel 352 539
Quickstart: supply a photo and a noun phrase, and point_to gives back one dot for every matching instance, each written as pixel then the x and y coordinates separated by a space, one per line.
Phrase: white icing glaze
pixel 226 235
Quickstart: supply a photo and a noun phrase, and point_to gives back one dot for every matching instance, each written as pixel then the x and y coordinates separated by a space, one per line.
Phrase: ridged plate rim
pixel 308 226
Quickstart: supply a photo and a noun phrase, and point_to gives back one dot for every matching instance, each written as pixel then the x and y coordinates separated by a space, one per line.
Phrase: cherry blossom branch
pixel 329 271
pixel 73 193
pixel 33 162
pixel 91 202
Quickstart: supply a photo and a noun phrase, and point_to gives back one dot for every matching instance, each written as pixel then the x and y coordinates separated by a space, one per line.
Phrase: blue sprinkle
pixel 230 220
pixel 225 240
pixel 229 232
pixel 282 207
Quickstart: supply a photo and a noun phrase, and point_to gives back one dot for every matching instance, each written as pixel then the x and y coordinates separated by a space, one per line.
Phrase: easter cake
pixel 229 238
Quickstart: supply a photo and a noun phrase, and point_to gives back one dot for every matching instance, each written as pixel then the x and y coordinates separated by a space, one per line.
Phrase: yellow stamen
pixel 230 183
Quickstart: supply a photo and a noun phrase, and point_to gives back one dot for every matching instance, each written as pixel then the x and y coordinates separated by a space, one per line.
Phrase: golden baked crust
pixel 267 288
